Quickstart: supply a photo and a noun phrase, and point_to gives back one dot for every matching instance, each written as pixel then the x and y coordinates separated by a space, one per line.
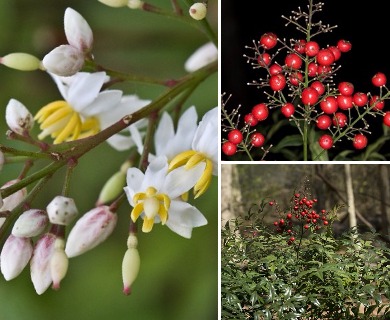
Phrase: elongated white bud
pixel 15 255
pixel 112 188
pixel 21 61
pixel 58 263
pixel 30 223
pixel 114 3
pixel 131 264
pixel 40 263
pixel 64 60
pixel 77 31
pixel 18 118
pixel 135 4
pixel 62 210
pixel 90 230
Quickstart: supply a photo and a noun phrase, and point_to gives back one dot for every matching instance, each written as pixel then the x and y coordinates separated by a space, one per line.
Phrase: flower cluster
pixel 176 160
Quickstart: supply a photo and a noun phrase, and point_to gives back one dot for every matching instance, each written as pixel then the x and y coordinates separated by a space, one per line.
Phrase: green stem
pixel 16 152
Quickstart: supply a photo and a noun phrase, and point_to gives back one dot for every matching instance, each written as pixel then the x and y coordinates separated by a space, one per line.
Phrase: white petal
pixel 183 217
pixel 155 173
pixel 136 136
pixel 164 133
pixel 77 30
pixel 84 89
pixel 120 142
pixel 201 57
pixel 134 180
pixel 181 180
pixel 64 60
pixel 133 103
pixel 106 102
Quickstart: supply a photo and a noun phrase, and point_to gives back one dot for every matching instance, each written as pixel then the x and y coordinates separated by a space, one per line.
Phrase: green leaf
pixel 294 140
pixel 375 146
pixel 343 155
pixel 317 153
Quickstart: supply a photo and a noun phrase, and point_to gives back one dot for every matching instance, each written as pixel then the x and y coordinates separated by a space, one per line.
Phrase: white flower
pixel 204 55
pixel 66 60
pixel 18 118
pixel 15 255
pixel 155 196
pixel 86 110
pixel 204 149
pixel 90 230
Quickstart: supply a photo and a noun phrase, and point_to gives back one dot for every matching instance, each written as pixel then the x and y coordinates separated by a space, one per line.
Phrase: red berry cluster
pixel 302 86
pixel 300 218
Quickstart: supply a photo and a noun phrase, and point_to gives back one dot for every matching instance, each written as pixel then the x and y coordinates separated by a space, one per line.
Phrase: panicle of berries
pixel 242 137
pixel 299 80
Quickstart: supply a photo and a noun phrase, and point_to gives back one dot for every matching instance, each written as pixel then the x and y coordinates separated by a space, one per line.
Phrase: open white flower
pixel 202 56
pixel 155 196
pixel 67 59
pixel 85 110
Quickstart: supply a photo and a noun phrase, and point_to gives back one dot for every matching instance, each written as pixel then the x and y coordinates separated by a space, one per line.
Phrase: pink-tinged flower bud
pixel 131 264
pixel 40 263
pixel 15 255
pixel 13 200
pixel 61 210
pixel 201 57
pixel 58 263
pixel 114 3
pixel 198 11
pixel 77 31
pixel 30 223
pixel 18 118
pixel 21 61
pixel 64 60
pixel 90 230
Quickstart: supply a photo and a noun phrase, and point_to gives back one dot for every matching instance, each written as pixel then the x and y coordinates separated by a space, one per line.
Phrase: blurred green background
pixel 178 277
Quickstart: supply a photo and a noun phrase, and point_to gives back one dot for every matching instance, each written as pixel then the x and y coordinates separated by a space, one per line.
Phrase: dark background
pixel 365 25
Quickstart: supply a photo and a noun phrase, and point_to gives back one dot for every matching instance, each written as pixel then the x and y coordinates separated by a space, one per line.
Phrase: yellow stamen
pixel 180 159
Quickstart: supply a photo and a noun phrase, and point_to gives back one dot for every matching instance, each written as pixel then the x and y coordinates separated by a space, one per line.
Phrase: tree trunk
pixel 350 196
pixel 230 193
pixel 384 191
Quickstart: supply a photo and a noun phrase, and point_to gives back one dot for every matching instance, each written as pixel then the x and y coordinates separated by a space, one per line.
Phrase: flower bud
pixel 131 264
pixel 21 61
pixel 40 263
pixel 201 57
pixel 30 223
pixel 135 4
pixel 15 255
pixel 13 200
pixel 114 3
pixel 18 118
pixel 112 188
pixel 77 31
pixel 58 263
pixel 90 230
pixel 65 60
pixel 198 11
pixel 61 210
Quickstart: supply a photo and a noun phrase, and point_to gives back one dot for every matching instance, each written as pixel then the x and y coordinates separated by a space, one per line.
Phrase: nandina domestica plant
pixel 326 119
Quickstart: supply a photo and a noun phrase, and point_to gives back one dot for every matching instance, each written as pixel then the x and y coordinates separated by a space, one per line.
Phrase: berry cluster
pixel 299 78
pixel 300 218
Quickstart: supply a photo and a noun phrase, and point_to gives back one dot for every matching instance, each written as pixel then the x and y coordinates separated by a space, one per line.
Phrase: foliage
pixel 263 277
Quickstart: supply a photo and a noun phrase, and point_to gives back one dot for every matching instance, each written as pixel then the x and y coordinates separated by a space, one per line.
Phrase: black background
pixel 365 24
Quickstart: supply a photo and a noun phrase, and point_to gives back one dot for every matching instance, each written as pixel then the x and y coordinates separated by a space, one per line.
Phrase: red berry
pixel 275 69
pixel 379 79
pixel 260 111
pixel 276 223
pixel 340 119
pixel 323 69
pixel 264 59
pixel 326 141
pixel 319 86
pixel 229 148
pixel 292 239
pixel 268 40
pixel 235 136
pixel 344 45
pixel 344 102
pixel 312 48
pixel 300 46
pixel 296 78
pixel 277 82
pixel 257 139
pixel 379 104
pixel 250 119
pixel 323 122
pixel 306 226
pixel 329 105
pixel 288 109
pixel 360 141
pixel 336 52
pixel 289 216
pixel 346 88
pixel 312 69
pixel 293 61
pixel 309 96
pixel 281 222
pixel 386 118
pixel 325 57
pixel 360 99
pixel 325 222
